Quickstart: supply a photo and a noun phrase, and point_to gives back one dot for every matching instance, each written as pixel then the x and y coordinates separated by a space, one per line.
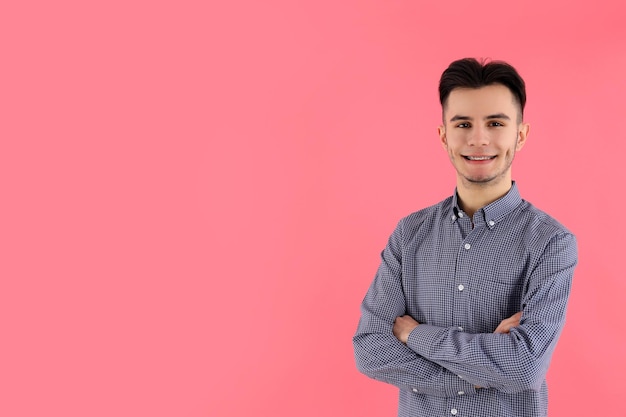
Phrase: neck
pixel 474 196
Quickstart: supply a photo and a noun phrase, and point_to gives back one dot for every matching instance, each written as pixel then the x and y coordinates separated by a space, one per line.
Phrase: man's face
pixel 481 134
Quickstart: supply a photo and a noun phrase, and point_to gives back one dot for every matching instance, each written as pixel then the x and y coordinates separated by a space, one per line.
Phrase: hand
pixel 507 324
pixel 403 326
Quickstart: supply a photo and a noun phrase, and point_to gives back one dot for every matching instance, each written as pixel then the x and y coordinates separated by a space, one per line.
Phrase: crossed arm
pixel 392 347
pixel 404 325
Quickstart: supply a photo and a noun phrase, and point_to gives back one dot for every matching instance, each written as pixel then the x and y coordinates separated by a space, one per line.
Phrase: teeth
pixel 478 158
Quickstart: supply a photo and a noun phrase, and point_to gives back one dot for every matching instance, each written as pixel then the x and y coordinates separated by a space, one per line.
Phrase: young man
pixel 470 297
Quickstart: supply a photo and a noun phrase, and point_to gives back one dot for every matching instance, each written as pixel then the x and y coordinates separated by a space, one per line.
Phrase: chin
pixel 478 180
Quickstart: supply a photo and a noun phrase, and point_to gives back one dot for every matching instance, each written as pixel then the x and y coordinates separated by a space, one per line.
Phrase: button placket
pixel 460 286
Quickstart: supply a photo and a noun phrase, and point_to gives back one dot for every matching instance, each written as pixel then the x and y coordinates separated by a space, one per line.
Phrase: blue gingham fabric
pixel 459 281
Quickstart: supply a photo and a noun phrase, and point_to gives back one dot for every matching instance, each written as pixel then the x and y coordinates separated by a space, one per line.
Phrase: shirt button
pixel 491 222
pixel 460 214
pixel 461 287
pixel 467 246
pixel 453 412
pixel 461 392
pixel 453 217
pixel 460 328
pixel 414 389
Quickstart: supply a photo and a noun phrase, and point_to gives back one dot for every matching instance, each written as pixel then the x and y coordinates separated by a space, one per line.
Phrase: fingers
pixel 507 324
pixel 402 327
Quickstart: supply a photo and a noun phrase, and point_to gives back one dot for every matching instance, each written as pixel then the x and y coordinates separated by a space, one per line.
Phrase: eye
pixel 495 124
pixel 463 125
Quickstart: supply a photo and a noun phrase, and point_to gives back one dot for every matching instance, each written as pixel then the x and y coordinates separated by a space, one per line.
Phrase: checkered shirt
pixel 459 281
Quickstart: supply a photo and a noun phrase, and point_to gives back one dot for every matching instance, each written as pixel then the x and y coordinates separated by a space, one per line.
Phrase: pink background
pixel 195 195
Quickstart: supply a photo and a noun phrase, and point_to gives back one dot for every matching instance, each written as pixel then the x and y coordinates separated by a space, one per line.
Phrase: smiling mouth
pixel 478 158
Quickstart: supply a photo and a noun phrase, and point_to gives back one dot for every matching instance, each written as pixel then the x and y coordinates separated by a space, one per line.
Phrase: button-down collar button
pixel 461 287
pixel 491 222
pixel 461 214
pixel 453 217
pixel 461 392
pixel 453 412
pixel 467 246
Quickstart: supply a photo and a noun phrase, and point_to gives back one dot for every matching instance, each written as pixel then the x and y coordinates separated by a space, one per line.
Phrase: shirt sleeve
pixel 379 354
pixel 519 360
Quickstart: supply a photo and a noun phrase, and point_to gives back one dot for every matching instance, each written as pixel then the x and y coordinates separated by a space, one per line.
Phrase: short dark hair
pixel 470 73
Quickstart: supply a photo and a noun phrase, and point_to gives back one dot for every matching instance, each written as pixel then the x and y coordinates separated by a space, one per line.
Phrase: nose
pixel 478 136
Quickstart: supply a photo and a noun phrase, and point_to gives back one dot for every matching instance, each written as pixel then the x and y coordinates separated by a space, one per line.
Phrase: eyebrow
pixel 491 116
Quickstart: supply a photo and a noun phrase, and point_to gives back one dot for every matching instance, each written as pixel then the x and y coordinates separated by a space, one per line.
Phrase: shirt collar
pixel 492 213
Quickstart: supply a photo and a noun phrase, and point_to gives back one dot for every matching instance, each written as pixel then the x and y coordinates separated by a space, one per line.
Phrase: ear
pixel 442 136
pixel 522 135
